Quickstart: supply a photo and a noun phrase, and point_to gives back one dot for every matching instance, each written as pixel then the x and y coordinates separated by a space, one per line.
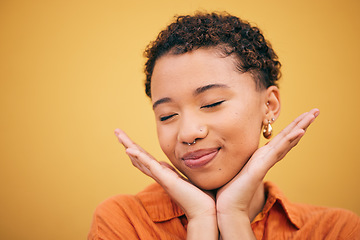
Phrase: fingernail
pixel 116 131
pixel 317 114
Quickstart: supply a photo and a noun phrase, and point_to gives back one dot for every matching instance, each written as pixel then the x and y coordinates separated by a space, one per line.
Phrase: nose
pixel 191 130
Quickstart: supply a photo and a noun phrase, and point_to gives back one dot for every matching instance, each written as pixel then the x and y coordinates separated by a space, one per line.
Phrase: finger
pixel 308 119
pixel 124 138
pixel 278 151
pixel 286 130
pixel 165 164
pixel 126 141
pixel 287 144
pixel 152 167
pixel 267 156
pixel 301 122
pixel 141 163
pixel 289 138
pixel 138 164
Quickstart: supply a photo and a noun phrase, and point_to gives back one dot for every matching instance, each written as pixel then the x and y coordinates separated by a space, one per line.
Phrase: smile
pixel 200 158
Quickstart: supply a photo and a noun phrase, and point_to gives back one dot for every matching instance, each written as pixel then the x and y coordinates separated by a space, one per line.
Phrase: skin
pixel 233 126
pixel 201 96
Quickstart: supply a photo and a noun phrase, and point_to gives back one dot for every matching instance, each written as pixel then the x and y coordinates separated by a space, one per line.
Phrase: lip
pixel 200 157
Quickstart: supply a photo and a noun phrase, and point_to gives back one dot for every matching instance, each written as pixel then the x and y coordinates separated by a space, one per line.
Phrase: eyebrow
pixel 160 101
pixel 196 92
pixel 208 87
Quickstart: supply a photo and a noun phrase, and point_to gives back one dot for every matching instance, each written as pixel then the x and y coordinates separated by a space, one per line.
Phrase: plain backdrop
pixel 71 72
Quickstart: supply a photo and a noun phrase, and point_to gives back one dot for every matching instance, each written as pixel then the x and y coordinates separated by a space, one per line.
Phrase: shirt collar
pixel 161 207
pixel 158 204
pixel 275 195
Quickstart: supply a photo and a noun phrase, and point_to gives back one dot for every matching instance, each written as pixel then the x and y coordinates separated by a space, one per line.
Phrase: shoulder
pixel 115 217
pixel 312 221
pixel 117 206
pixel 111 218
pixel 129 216
pixel 336 222
pixel 125 206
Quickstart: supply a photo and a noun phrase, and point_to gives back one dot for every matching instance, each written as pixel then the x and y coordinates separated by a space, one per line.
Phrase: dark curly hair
pixel 227 33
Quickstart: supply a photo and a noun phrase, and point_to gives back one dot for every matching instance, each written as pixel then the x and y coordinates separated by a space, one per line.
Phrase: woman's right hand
pixel 198 206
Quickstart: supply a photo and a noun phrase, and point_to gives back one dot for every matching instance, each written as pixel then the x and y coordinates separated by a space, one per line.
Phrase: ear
pixel 272 104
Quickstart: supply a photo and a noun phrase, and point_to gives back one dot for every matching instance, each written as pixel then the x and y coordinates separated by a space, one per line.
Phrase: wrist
pixel 205 211
pixel 235 225
pixel 240 217
pixel 202 227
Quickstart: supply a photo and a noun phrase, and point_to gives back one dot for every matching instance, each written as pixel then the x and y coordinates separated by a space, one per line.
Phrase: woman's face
pixel 200 96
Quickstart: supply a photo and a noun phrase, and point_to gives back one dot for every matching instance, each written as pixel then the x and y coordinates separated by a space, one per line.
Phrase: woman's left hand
pixel 233 200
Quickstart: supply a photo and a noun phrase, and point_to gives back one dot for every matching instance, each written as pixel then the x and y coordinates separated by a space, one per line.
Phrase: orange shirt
pixel 151 214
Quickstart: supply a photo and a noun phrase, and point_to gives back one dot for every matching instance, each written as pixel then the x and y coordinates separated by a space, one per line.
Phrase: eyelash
pixel 213 105
pixel 162 119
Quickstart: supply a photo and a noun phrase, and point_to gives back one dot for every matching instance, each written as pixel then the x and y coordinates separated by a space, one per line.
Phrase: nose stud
pixel 192 143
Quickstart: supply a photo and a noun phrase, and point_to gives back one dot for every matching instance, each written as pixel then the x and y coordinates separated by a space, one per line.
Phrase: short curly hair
pixel 227 33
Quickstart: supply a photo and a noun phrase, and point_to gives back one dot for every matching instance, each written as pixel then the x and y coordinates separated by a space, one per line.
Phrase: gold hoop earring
pixel 267 130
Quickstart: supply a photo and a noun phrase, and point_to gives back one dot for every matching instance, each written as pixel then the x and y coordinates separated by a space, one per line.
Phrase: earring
pixel 267 130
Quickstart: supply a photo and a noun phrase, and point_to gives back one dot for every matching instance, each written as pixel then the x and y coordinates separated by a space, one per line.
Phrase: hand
pixel 235 197
pixel 198 206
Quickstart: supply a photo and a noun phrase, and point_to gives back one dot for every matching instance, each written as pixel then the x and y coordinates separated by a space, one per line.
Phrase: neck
pixel 258 202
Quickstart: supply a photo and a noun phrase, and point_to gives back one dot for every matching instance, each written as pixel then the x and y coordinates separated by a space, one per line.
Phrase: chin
pixel 212 181
pixel 209 185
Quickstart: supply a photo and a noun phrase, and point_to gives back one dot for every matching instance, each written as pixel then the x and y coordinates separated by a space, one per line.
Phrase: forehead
pixel 180 74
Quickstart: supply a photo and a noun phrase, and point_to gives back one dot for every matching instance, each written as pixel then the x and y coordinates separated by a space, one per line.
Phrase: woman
pixel 212 82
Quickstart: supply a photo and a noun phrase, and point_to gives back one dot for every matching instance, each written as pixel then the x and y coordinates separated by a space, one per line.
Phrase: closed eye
pixel 213 104
pixel 162 119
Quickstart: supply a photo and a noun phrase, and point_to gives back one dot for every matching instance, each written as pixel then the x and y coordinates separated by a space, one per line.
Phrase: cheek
pixel 243 130
pixel 167 140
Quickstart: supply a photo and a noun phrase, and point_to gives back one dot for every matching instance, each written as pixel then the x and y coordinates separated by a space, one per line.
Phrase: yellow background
pixel 71 72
